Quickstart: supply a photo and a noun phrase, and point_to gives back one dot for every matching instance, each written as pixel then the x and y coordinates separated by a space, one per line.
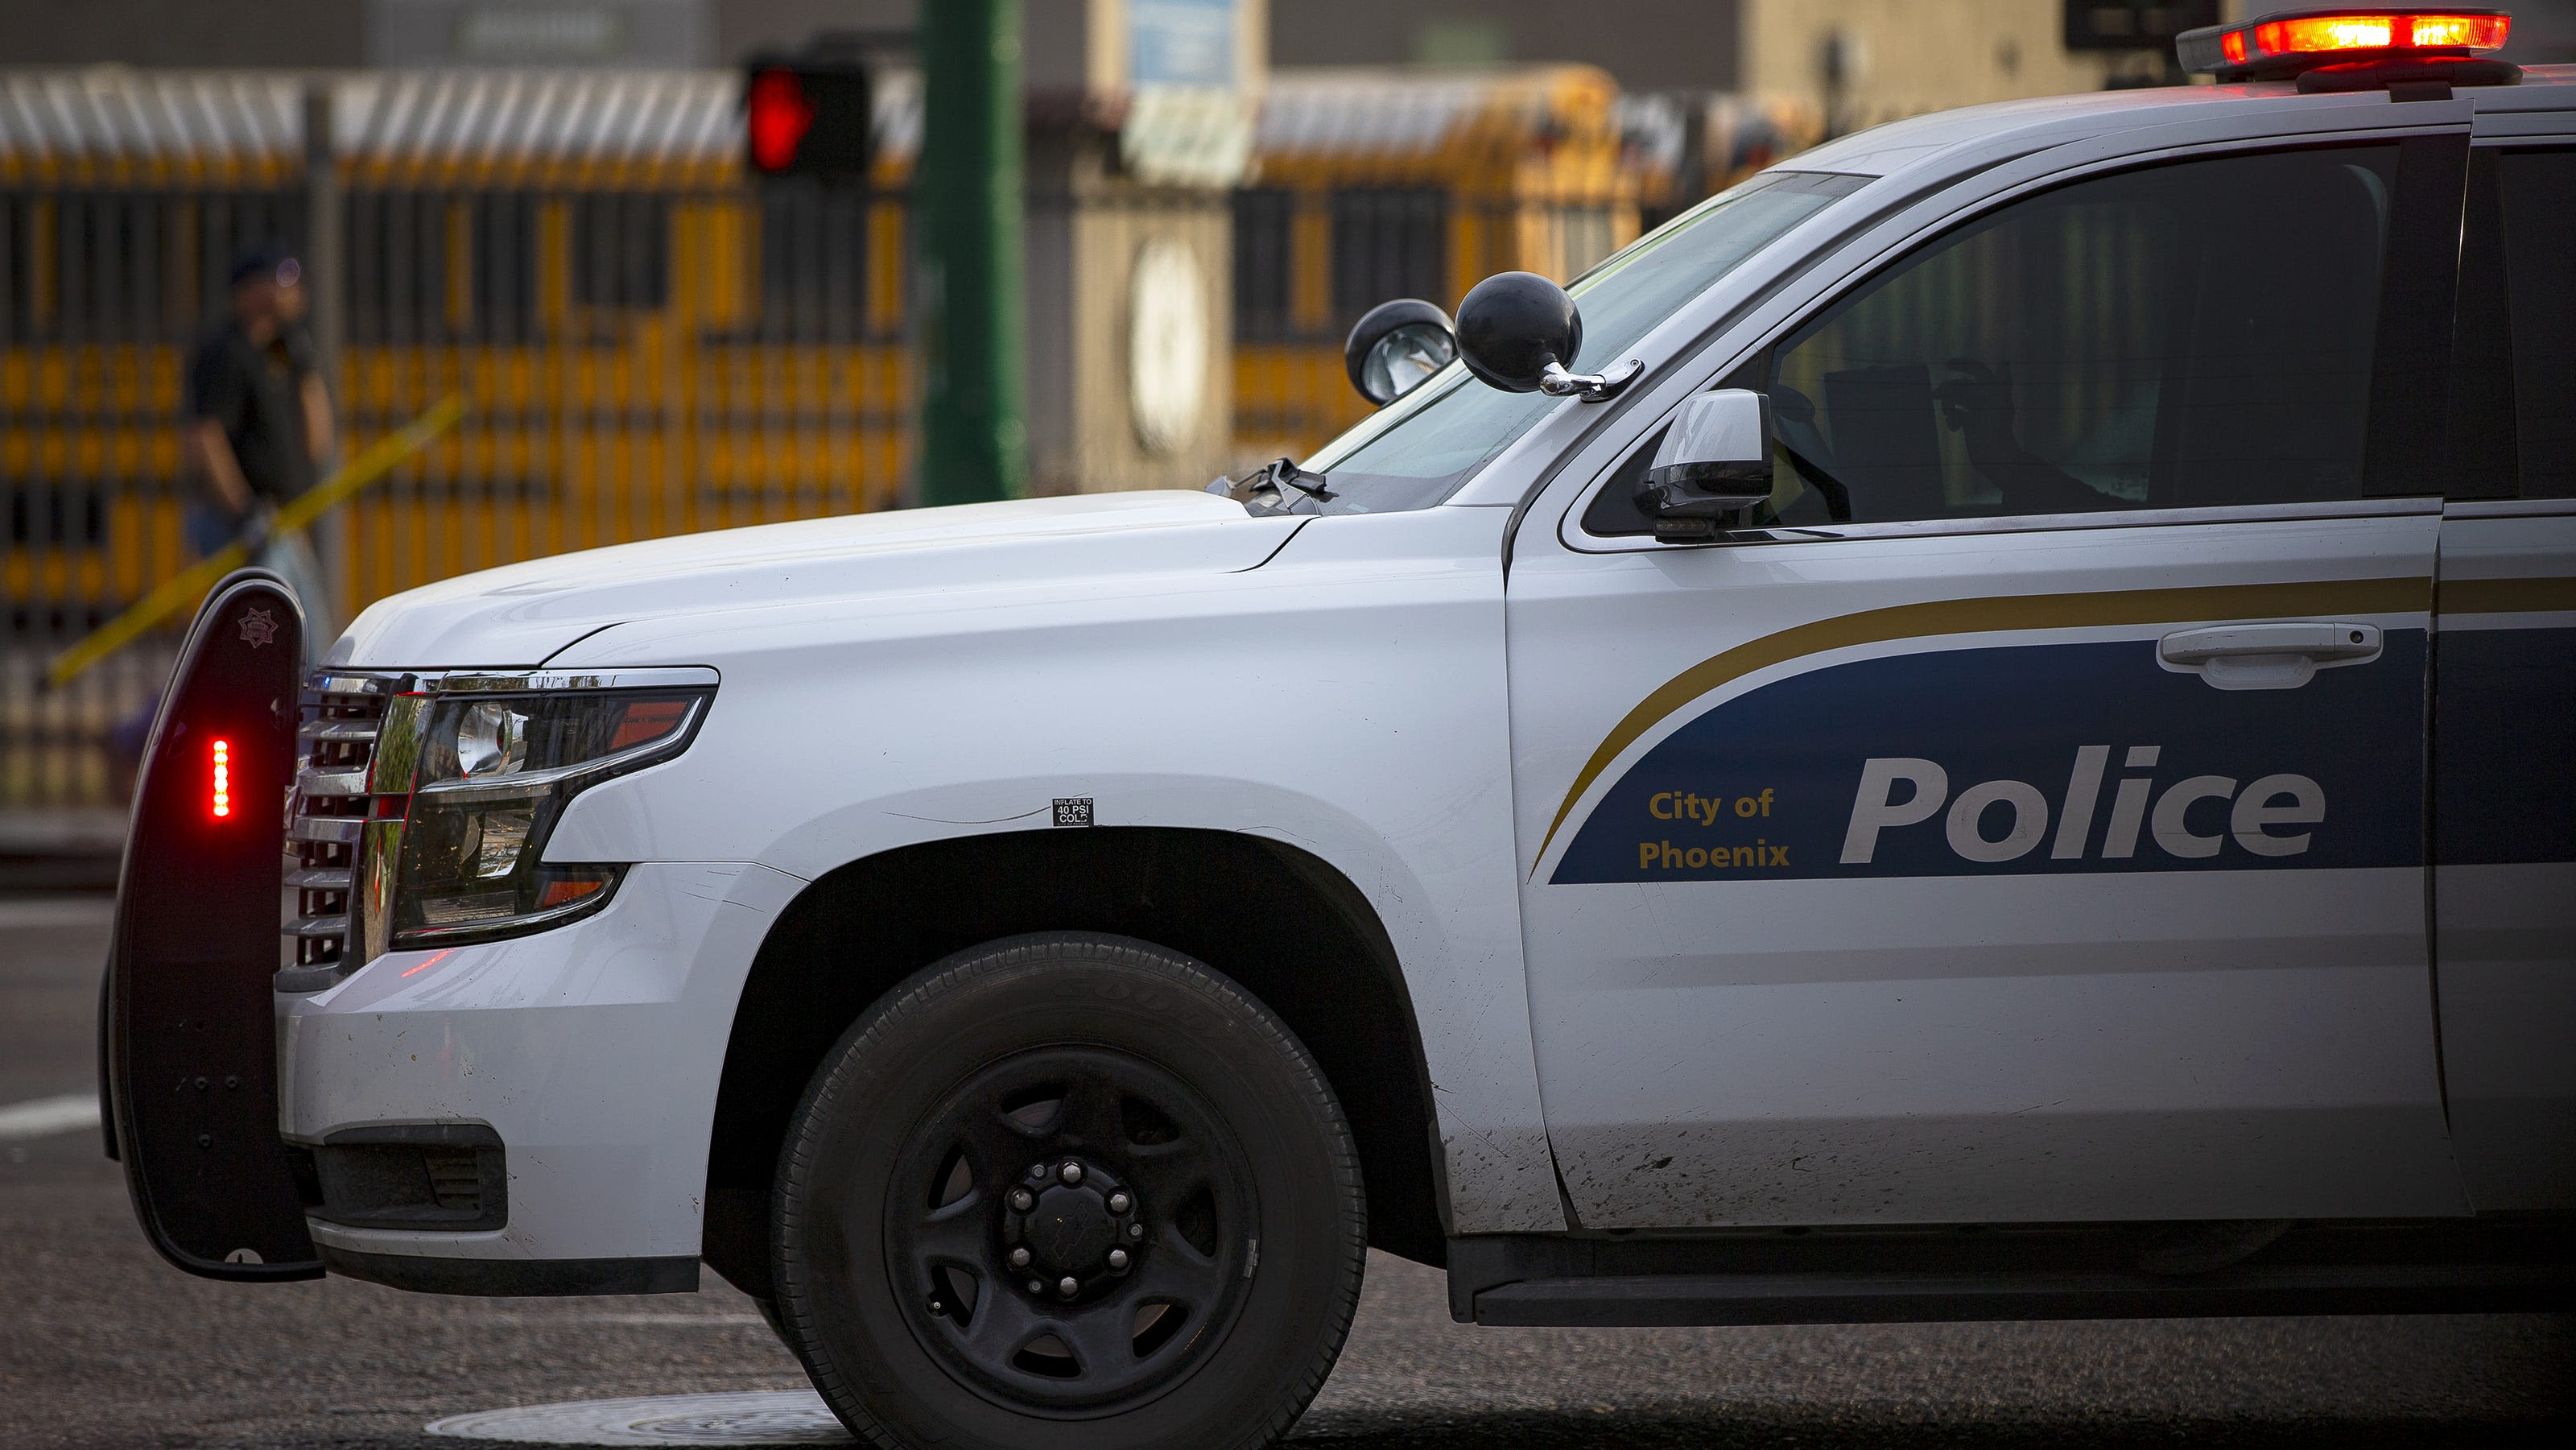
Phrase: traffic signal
pixel 806 117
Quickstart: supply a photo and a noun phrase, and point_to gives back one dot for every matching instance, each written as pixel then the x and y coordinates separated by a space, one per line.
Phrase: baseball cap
pixel 269 258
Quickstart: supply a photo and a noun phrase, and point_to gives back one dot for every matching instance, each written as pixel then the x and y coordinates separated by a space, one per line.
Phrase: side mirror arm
pixel 1598 387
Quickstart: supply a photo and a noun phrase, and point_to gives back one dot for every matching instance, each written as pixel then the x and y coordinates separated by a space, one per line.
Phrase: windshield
pixel 1420 448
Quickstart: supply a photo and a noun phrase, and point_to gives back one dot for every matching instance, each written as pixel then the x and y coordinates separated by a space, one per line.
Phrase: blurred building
pixel 1873 59
pixel 1906 54
pixel 334 34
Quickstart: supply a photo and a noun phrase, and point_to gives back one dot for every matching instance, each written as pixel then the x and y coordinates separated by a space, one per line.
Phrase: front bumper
pixel 593 1050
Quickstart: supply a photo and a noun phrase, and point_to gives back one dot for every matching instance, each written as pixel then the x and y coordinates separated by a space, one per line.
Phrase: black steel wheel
pixel 1071 1191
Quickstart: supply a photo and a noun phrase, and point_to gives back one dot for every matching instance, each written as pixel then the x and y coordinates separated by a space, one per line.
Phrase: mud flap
pixel 191 1031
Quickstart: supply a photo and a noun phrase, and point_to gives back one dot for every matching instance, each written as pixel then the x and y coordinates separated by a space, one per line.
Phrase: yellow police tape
pixel 190 584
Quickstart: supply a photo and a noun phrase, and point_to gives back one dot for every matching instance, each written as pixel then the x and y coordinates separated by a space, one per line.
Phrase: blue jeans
pixel 209 528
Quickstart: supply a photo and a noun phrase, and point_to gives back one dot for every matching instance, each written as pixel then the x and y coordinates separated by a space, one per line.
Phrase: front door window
pixel 2153 339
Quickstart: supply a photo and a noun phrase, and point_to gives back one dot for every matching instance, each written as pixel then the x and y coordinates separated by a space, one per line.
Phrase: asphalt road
pixel 102 1345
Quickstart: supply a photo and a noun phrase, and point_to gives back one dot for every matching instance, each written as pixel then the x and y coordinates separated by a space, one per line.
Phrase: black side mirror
pixel 1519 332
pixel 1714 461
pixel 1397 345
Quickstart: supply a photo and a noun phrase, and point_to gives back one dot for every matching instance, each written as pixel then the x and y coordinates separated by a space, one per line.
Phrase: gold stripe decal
pixel 2506 596
pixel 2410 594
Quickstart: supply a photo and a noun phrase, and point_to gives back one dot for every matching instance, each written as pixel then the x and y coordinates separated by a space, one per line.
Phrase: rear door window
pixel 2540 279
pixel 2513 398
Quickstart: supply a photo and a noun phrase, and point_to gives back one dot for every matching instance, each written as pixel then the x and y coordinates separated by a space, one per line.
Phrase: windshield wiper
pixel 1268 486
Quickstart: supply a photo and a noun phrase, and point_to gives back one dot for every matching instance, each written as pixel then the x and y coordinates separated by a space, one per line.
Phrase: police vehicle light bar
pixel 2286 43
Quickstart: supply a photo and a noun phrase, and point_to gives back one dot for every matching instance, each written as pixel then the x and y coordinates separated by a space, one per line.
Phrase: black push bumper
pixel 189 1036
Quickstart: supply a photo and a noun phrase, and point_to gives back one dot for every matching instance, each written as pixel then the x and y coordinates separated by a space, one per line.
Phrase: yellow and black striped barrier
pixel 189 585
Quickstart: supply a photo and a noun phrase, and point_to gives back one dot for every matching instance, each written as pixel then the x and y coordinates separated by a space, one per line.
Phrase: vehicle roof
pixel 2052 120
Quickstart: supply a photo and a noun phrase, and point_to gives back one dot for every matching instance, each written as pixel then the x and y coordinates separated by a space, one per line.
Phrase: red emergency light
pixel 2441 44
pixel 222 780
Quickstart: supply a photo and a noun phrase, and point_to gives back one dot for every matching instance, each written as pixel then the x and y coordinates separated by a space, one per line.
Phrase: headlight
pixel 491 738
pixel 490 779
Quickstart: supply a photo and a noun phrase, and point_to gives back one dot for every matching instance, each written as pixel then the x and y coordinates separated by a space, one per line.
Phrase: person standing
pixel 259 429
pixel 258 433
pixel 296 351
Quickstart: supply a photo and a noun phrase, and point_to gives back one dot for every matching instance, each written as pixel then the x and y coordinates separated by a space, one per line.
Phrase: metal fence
pixel 99 291
pixel 638 362
pixel 647 343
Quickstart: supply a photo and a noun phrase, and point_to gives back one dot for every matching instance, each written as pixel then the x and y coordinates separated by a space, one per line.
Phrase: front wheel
pixel 1069 1191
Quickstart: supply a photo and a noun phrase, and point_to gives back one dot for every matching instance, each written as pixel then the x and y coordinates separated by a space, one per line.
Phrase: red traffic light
pixel 807 118
pixel 779 118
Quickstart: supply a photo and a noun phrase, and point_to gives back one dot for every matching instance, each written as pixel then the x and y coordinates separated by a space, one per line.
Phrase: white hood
pixel 517 615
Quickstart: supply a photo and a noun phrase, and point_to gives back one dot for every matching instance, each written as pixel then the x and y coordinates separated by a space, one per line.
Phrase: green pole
pixel 974 441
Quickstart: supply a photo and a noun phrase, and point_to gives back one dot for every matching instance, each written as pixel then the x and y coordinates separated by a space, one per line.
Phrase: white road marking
pixel 36 913
pixel 571 1321
pixel 764 1417
pixel 45 1117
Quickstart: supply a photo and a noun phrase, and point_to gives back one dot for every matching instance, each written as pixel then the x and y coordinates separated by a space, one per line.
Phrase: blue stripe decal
pixel 2021 760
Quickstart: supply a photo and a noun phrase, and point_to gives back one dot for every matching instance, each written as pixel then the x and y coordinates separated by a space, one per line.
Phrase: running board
pixel 1941 1274
pixel 1861 1299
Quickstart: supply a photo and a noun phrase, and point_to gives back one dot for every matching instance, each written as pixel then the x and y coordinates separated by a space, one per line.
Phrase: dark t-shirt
pixel 252 393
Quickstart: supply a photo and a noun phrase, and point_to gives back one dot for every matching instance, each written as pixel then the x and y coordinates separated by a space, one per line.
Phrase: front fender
pixel 1348 697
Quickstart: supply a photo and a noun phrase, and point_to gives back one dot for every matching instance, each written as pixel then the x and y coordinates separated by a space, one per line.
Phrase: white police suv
pixel 1982 726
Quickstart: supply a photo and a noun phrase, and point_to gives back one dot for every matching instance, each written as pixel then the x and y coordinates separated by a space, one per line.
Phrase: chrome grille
pixel 334 747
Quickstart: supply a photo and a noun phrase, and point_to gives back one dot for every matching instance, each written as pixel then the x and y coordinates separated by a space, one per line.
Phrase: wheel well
pixel 1279 921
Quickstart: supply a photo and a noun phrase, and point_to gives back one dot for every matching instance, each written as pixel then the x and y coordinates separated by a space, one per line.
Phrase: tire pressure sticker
pixel 1073 810
pixel 2021 760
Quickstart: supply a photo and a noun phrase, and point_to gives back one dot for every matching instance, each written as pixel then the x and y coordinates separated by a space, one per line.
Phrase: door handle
pixel 2267 656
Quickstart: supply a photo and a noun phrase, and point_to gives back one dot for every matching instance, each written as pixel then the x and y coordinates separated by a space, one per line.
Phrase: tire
pixel 1186 1288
